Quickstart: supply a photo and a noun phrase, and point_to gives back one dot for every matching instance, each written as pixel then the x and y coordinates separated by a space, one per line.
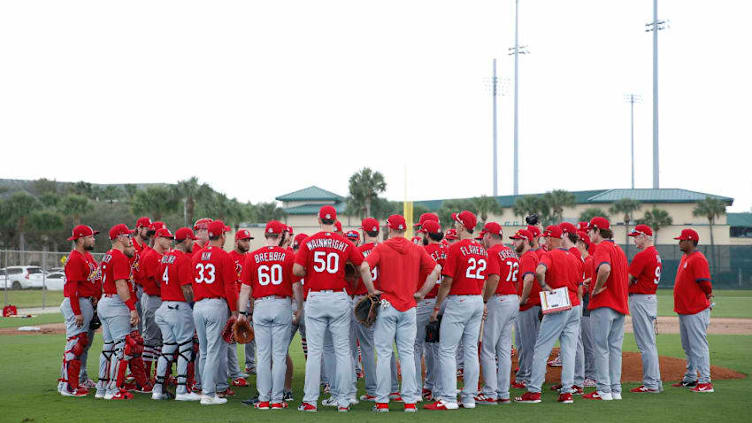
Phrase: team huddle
pixel 452 302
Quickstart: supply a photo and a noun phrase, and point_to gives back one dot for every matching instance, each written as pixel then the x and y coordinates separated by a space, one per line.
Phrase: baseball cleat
pixel 343 409
pixel 502 401
pixel 703 387
pixel 616 395
pixel 354 400
pixel 556 387
pixel 589 383
pixel 239 382
pixel 642 389
pixel 427 394
pixel 213 400
pixel 529 398
pixel 80 392
pixel 367 397
pixel 329 402
pixel 685 384
pixel 121 395
pixel 146 389
pixel 565 399
pixel 307 407
pixel 556 362
pixel 288 396
pixel 484 399
pixel 595 395
pixel 190 396
pixel 88 384
pixel 262 405
pixel 395 396
pixel 251 401
pixel 279 405
pixel 441 405
pixel 162 396
pixel 519 385
pixel 226 393
pixel 100 394
pixel 382 407
pixel 251 370
pixel 410 408
pixel 576 390
pixel 467 405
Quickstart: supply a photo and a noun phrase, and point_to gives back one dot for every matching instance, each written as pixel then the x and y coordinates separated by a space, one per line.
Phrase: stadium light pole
pixel 494 93
pixel 632 99
pixel 516 51
pixel 655 26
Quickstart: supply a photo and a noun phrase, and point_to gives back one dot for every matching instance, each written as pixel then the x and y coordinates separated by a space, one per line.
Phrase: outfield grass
pixel 29 366
pixel 24 298
pixel 42 319
pixel 728 303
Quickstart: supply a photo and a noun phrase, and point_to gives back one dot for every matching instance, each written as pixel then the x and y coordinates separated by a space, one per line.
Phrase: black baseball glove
pixel 95 324
pixel 432 330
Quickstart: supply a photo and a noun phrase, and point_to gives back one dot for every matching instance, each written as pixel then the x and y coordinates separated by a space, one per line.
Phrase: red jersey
pixel 616 292
pixel 82 278
pixel 467 265
pixel 176 271
pixel 688 297
pixel 401 263
pixel 197 247
pixel 528 264
pixel 268 271
pixel 239 260
pixel 646 268
pixel 115 266
pixel 214 276
pixel 139 246
pixel 439 254
pixel 560 269
pixel 366 249
pixel 509 268
pixel 324 256
pixel 578 267
pixel 150 275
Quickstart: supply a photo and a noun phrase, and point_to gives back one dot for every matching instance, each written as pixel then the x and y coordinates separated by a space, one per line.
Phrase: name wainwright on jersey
pixel 326 243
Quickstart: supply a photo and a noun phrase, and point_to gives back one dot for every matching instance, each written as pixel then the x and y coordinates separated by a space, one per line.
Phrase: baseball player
pixel 462 286
pixel 451 236
pixel 81 291
pixel 556 269
pixel 608 306
pixel 321 260
pixel 400 263
pixel 267 275
pixel 527 319
pixel 644 277
pixel 216 296
pixel 692 293
pixel 586 371
pixel 432 237
pixel 151 299
pixel 568 240
pixel 503 306
pixel 538 248
pixel 174 316
pixel 238 254
pixel 141 241
pixel 117 312
pixel 201 229
pixel 296 326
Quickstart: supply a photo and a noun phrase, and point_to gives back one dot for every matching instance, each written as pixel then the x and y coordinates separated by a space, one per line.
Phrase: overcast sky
pixel 262 98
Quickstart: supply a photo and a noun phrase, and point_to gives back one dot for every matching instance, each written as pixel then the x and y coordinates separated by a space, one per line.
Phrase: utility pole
pixel 516 51
pixel 632 99
pixel 494 93
pixel 655 26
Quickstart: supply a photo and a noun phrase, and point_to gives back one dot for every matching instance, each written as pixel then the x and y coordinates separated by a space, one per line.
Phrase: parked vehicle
pixel 54 281
pixel 21 277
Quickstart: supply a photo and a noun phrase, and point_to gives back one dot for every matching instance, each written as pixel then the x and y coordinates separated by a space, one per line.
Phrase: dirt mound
pixel 47 329
pixel 718 325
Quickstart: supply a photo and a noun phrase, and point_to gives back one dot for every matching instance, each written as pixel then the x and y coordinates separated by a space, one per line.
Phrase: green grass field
pixel 23 298
pixel 29 366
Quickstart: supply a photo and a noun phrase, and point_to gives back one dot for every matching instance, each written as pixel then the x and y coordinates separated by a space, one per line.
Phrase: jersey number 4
pixel 205 273
pixel 475 268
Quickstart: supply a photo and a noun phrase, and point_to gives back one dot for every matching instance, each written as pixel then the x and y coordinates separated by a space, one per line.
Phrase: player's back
pixel 324 256
pixel 466 263
pixel 269 269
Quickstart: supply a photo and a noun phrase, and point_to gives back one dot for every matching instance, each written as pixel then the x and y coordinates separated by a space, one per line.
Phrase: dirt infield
pixel 50 328
pixel 718 325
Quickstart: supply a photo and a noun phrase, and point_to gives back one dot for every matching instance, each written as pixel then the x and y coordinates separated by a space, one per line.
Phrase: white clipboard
pixel 555 301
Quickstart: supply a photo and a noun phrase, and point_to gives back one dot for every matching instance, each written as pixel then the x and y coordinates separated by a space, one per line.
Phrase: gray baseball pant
pixel 497 343
pixel 250 348
pixel 272 318
pixel 115 318
pixel 150 330
pixel 564 327
pixel 210 316
pixel 71 330
pixel 587 346
pixel 394 326
pixel 607 327
pixel 693 331
pixel 175 320
pixel 461 321
pixel 644 311
pixel 423 313
pixel 528 325
pixel 368 358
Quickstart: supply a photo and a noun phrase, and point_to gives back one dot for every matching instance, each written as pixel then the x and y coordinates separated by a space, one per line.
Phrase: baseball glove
pixel 432 330
pixel 243 331
pixel 95 323
pixel 351 273
pixel 227 334
pixel 367 309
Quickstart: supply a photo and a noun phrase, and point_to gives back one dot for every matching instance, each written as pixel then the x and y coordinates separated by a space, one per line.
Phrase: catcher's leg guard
pixel 105 359
pixel 184 357
pixel 166 357
pixel 134 347
pixel 71 368
pixel 191 368
pixel 118 366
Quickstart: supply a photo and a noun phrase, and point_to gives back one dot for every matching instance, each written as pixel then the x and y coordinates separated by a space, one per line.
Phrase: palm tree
pixel 590 213
pixel 656 219
pixel 46 222
pixel 154 201
pixel 111 193
pixel 557 200
pixel 454 206
pixel 711 208
pixel 190 190
pixel 269 211
pixel 18 207
pixel 626 208
pixel 74 205
pixel 486 205
pixel 365 187
pixel 532 204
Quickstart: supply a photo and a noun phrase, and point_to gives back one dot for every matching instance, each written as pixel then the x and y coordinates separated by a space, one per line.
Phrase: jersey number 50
pixel 325 261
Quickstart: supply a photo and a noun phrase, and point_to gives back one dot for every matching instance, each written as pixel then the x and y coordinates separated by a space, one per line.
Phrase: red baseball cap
pixel 534 231
pixel 202 223
pixel 353 236
pixel 479 237
pixel 567 228
pixel 81 231
pixel 217 228
pixel 465 218
pixel 327 212
pixel 451 234
pixel 416 240
pixel 431 227
pixel 184 233
pixel 426 217
pixel 688 234
pixel 552 231
pixel 155 226
pixel 243 234
pixel 598 222
pixel 582 226
pixel 396 222
pixel 523 234
pixel 492 228
pixel 370 224
pixel 299 238
pixel 118 230
pixel 641 230
pixel 289 230
pixel 164 233
pixel 143 222
pixel 584 237
pixel 337 226
pixel 275 227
